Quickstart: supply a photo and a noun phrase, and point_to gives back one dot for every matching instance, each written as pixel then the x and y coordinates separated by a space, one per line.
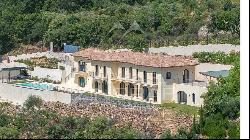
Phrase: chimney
pixel 51 46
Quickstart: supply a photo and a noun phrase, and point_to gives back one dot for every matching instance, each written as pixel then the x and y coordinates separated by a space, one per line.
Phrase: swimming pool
pixel 36 86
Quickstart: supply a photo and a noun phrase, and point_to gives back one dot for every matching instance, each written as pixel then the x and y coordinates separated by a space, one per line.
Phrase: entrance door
pixel 130 89
pixel 105 87
pixel 82 82
pixel 182 97
pixel 96 86
pixel 145 93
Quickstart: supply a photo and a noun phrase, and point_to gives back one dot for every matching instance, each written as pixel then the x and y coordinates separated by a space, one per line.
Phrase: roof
pixel 216 74
pixel 137 58
pixel 71 48
pixel 12 66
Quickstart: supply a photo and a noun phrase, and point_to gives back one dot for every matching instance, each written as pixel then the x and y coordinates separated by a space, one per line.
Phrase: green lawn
pixel 183 109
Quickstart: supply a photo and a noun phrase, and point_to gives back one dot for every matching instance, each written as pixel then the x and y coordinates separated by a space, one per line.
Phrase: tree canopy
pixel 94 22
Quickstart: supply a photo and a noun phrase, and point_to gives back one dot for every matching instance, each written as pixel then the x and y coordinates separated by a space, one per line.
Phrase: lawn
pixel 183 109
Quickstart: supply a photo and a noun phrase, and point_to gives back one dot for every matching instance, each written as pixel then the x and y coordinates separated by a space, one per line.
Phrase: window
pixel 123 72
pixel 104 71
pixel 137 74
pixel 96 86
pixel 82 66
pixel 186 76
pixel 145 76
pixel 96 70
pixel 122 88
pixel 168 75
pixel 82 82
pixel 155 96
pixel 154 77
pixel 130 72
pixel 193 98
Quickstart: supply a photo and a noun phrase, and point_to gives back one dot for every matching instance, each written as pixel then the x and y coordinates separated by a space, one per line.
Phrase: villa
pixel 153 78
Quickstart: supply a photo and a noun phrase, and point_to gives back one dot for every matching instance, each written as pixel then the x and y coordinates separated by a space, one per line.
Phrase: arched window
pixel 193 98
pixel 185 76
pixel 105 87
pixel 96 86
pixel 122 88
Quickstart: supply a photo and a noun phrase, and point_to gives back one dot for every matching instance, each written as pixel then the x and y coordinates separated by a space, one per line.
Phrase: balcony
pixel 150 82
pixel 99 76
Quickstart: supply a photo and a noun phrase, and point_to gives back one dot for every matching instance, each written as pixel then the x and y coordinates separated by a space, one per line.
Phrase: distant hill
pixel 133 24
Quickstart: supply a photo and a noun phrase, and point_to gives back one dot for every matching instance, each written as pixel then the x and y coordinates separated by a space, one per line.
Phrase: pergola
pixel 8 67
pixel 216 74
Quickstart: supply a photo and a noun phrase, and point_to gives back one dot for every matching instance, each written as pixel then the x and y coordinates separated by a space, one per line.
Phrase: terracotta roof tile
pixel 137 58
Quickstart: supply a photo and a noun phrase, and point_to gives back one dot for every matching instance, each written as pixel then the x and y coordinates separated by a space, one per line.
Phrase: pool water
pixel 36 86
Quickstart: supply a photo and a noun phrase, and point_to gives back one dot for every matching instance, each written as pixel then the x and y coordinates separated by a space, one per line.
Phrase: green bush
pixel 166 135
pixel 32 102
pixel 57 132
pixel 218 57
pixel 234 131
pixel 8 133
pixel 4 120
pixel 215 127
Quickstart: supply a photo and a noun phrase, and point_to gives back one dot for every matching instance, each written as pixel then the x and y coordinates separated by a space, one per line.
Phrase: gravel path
pixel 189 50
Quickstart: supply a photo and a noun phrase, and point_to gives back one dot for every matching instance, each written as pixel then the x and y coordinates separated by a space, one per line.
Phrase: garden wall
pixel 18 95
pixel 52 74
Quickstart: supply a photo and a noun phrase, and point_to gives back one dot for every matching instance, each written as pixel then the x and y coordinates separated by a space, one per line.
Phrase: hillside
pixel 132 24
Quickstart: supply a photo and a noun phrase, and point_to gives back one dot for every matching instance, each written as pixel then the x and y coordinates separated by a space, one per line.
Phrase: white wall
pixel 189 89
pixel 176 77
pixel 19 95
pixel 54 74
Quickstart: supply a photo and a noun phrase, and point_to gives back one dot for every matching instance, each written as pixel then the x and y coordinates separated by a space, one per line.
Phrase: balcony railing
pixel 153 82
pixel 99 76
pixel 135 80
pixel 197 83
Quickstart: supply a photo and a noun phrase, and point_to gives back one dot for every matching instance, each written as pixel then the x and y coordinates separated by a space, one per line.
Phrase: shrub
pixel 4 120
pixel 8 133
pixel 32 102
pixel 166 135
pixel 215 127
pixel 57 132
pixel 234 131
